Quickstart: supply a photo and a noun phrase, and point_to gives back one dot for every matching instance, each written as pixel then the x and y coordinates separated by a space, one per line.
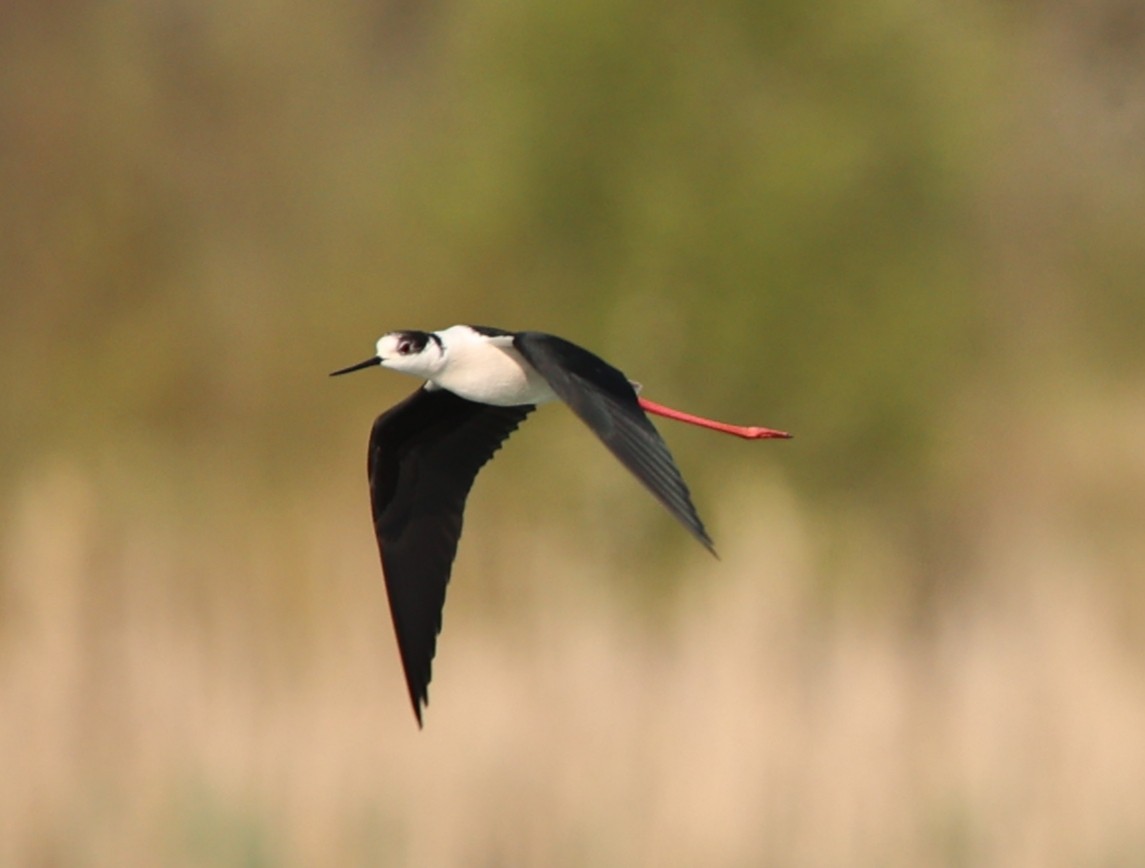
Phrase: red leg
pixel 747 432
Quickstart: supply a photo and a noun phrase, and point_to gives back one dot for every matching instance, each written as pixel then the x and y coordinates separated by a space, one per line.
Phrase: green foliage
pixel 804 216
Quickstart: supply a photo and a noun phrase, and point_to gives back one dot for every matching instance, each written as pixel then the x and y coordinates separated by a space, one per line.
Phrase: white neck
pixel 488 370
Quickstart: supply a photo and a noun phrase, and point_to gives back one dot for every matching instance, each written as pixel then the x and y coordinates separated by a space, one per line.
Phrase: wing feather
pixel 605 400
pixel 424 455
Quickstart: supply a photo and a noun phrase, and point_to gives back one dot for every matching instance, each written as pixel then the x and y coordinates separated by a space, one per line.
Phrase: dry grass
pixel 150 717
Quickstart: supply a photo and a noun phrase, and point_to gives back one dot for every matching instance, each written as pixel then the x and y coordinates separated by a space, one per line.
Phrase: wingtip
pixel 419 700
pixel 710 546
pixel 701 535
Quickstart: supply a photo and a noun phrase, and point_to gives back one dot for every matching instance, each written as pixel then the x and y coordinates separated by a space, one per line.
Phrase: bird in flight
pixel 425 452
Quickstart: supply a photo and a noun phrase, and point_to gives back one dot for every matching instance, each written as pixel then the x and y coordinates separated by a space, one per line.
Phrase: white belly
pixel 490 374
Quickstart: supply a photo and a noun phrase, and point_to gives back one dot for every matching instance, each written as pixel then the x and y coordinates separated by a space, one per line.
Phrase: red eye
pixel 411 343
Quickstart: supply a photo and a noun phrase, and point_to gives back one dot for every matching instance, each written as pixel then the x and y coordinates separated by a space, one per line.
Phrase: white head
pixel 421 354
pixel 412 352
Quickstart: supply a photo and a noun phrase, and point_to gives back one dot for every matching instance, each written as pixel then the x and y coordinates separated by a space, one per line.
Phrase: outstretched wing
pixel 605 400
pixel 423 457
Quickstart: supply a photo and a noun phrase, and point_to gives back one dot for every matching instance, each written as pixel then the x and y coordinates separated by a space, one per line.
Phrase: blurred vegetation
pixel 909 232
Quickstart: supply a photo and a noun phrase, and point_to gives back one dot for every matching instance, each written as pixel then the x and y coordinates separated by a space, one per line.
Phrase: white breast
pixel 489 370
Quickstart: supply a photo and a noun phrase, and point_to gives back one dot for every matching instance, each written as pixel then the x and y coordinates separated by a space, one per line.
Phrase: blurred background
pixel 909 231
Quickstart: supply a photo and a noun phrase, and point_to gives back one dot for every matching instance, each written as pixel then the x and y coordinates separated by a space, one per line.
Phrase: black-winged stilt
pixel 425 452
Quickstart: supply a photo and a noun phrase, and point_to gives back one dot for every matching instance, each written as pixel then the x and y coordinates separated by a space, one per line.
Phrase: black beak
pixel 369 363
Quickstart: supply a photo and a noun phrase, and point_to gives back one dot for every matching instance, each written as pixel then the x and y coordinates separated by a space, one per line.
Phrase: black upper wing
pixel 424 455
pixel 602 397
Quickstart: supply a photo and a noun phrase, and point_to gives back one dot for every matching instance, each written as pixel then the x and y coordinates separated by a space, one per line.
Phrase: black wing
pixel 605 400
pixel 424 455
